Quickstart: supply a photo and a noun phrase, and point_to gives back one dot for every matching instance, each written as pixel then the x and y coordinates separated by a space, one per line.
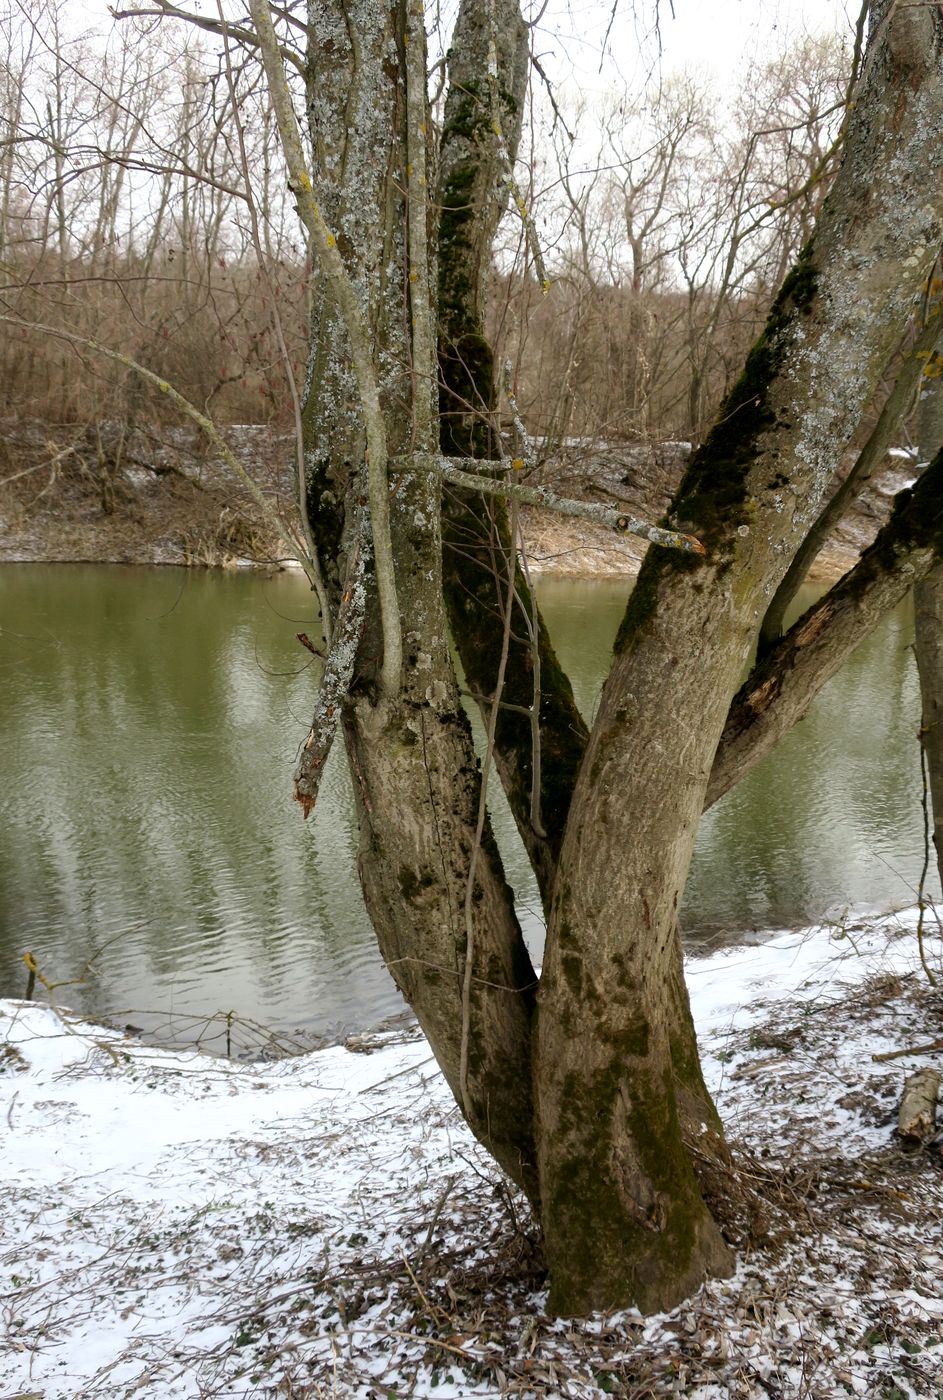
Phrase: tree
pixel 610 1054
pixel 586 1088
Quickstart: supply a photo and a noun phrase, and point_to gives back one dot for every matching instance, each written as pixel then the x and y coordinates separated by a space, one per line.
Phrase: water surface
pixel 152 854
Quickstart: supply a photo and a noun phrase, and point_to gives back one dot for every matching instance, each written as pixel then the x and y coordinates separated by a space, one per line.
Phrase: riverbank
pixel 180 1226
pixel 103 494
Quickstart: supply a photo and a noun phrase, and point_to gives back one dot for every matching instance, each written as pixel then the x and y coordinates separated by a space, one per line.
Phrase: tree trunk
pixel 411 753
pixel 479 551
pixel 928 612
pixel 616 1077
pixel 623 1220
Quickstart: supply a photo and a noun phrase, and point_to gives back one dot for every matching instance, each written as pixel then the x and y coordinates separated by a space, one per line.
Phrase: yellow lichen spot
pixel 518 464
pixel 330 241
pixel 304 182
pixel 163 386
pixel 414 276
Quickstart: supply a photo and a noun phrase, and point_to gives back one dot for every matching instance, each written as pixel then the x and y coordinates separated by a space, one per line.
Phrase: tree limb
pixel 898 404
pixel 619 521
pixel 164 10
pixel 784 682
pixel 326 250
pixel 337 674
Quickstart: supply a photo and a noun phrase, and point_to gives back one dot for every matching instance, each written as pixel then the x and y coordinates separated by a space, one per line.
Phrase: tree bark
pixel 478 548
pixel 928 615
pixel 872 455
pixel 784 681
pixel 623 1220
pixel 414 766
pixel 916 1117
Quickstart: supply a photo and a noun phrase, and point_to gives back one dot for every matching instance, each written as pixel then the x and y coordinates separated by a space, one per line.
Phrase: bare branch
pixel 300 484
pixel 164 10
pixel 337 675
pixel 452 469
pixel 324 245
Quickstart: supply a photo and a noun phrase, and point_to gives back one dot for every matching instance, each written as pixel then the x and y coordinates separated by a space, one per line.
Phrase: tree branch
pixel 325 248
pixel 164 10
pixel 337 674
pixel 897 406
pixel 542 496
pixel 785 681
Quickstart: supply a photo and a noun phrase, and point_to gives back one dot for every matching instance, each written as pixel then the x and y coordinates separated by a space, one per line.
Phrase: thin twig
pixel 922 883
pixel 317 574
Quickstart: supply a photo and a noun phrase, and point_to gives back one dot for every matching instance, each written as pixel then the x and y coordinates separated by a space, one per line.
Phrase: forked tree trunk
pixel 623 1220
pixel 616 1079
pixel 478 547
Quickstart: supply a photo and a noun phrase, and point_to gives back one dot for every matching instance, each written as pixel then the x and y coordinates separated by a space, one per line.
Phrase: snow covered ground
pixel 180 1226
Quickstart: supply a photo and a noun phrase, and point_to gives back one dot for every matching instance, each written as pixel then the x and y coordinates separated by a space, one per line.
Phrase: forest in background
pixel 126 217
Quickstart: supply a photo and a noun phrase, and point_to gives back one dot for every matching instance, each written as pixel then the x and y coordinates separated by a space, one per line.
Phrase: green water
pixel 153 858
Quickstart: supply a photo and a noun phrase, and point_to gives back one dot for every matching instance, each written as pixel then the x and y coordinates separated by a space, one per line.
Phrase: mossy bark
pixel 417 781
pixel 787 678
pixel 617 1187
pixel 478 550
pixel 413 762
pixel 623 1218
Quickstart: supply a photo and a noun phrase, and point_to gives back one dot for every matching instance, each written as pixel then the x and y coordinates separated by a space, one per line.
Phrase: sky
pixel 718 37
pixel 718 33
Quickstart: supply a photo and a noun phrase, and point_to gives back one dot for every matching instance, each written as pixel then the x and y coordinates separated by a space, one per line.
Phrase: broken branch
pixel 619 521
pixel 337 675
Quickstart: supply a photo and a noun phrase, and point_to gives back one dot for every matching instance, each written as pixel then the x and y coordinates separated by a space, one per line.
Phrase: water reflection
pixel 150 722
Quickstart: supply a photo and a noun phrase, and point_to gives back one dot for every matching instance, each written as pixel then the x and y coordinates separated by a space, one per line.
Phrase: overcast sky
pixel 721 33
pixel 717 36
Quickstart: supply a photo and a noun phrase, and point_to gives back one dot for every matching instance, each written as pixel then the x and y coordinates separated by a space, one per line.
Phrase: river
pixel 154 863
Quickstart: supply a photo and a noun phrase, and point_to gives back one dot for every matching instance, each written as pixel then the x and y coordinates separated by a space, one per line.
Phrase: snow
pixel 183 1226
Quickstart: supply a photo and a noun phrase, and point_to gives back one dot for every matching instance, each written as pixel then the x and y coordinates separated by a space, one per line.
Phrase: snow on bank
pixel 180 1226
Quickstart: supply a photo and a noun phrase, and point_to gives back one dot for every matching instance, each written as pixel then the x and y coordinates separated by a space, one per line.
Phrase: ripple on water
pixel 152 848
